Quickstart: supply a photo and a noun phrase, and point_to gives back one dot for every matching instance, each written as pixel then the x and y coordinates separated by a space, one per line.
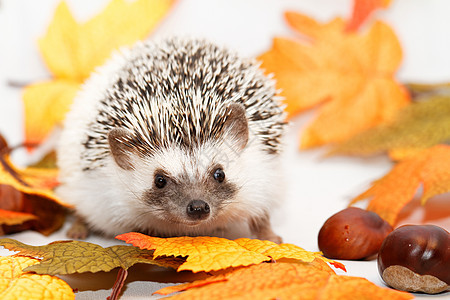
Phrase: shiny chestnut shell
pixel 423 249
pixel 352 233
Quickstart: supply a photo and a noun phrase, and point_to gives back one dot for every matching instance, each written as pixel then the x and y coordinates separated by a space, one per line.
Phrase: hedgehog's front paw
pixel 270 237
pixel 263 231
pixel 79 230
pixel 276 239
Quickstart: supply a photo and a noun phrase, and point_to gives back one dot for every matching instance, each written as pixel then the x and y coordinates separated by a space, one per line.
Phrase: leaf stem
pixel 6 150
pixel 16 84
pixel 117 288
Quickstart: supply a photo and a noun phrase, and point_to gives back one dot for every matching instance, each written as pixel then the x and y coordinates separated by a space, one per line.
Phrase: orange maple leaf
pixel 16 284
pixel 282 281
pixel 362 9
pixel 72 51
pixel 206 253
pixel 430 168
pixel 350 74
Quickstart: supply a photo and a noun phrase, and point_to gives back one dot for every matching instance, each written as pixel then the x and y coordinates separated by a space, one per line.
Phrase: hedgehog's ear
pixel 236 127
pixel 119 150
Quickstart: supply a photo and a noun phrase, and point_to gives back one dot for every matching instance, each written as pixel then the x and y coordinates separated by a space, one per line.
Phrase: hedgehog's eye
pixel 160 181
pixel 219 175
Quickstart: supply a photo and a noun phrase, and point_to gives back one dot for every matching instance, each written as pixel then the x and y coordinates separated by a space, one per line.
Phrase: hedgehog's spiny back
pixel 177 92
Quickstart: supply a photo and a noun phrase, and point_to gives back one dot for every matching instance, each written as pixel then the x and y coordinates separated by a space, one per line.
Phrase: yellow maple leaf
pixel 45 105
pixel 282 281
pixel 430 168
pixel 16 284
pixel 72 51
pixel 68 257
pixel 206 253
pixel 350 74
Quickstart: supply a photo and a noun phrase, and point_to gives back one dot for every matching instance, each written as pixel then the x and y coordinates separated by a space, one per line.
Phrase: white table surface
pixel 316 188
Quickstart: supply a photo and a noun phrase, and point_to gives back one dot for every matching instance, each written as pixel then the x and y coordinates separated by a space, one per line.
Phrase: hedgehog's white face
pixel 189 187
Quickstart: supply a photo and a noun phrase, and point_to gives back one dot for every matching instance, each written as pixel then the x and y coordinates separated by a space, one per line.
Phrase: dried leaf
pixel 28 192
pixel 282 281
pixel 211 253
pixel 72 51
pixel 362 9
pixel 68 257
pixel 351 75
pixel 16 284
pixel 416 127
pixel 430 168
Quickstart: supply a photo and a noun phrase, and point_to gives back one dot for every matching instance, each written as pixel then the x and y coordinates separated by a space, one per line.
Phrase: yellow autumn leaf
pixel 16 284
pixel 204 253
pixel 45 104
pixel 285 251
pixel 72 51
pixel 68 257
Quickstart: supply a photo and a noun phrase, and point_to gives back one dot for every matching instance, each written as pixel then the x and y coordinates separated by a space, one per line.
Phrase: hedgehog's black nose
pixel 198 209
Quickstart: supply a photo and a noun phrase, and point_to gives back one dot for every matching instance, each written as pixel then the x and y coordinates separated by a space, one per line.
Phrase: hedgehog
pixel 174 137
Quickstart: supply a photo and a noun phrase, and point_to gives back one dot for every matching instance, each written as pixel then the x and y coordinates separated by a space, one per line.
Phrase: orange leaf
pixel 282 281
pixel 13 218
pixel 27 196
pixel 390 194
pixel 37 182
pixel 16 284
pixel 351 75
pixel 72 51
pixel 362 9
pixel 212 253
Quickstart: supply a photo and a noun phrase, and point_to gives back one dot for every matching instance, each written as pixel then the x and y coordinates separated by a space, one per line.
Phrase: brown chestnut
pixel 352 233
pixel 416 258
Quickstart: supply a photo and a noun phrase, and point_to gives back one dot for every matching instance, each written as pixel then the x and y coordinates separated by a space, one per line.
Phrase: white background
pixel 316 187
